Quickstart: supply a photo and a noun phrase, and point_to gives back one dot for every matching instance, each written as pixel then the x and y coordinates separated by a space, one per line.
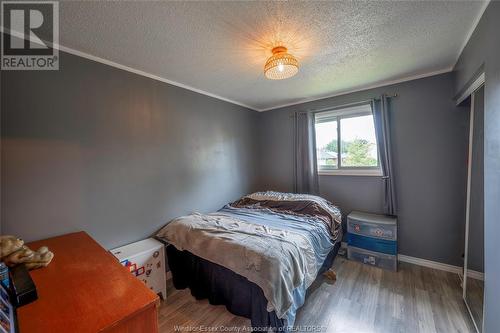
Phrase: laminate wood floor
pixel 363 299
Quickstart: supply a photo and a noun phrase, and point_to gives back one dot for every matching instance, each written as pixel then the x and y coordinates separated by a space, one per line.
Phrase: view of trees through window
pixel 358 147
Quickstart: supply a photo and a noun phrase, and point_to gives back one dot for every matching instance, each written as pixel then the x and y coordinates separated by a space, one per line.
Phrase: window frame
pixel 337 114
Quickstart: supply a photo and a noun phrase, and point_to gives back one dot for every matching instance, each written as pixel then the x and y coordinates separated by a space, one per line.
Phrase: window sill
pixel 351 172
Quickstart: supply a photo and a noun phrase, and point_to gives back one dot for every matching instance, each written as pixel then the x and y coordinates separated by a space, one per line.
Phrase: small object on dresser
pixel 372 239
pixel 145 260
pixel 13 252
pixel 22 288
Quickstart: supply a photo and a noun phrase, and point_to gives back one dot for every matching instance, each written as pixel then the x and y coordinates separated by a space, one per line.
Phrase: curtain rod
pixel 335 107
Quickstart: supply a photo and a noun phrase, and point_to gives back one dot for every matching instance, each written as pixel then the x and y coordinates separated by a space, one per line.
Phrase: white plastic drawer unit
pixel 372 225
pixel 146 261
pixel 377 259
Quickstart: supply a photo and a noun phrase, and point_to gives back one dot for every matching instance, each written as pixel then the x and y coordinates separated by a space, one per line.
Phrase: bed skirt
pixel 220 285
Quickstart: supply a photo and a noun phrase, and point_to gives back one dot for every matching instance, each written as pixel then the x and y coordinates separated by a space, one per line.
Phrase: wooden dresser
pixel 85 289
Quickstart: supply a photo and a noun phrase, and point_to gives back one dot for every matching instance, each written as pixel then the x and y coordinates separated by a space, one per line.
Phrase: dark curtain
pixel 380 109
pixel 306 170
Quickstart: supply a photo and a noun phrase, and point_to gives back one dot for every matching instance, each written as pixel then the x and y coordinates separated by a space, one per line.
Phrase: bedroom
pixel 164 122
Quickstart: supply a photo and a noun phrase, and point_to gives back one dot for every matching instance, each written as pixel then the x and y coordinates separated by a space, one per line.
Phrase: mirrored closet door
pixel 473 282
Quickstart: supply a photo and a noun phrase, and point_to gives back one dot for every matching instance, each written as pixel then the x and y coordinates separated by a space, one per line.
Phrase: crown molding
pixel 149 75
pixel 206 93
pixel 128 68
pixel 362 88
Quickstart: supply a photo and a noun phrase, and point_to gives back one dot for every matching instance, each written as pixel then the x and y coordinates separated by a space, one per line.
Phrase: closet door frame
pixel 477 84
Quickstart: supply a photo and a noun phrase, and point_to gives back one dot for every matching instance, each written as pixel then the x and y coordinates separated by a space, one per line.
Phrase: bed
pixel 257 255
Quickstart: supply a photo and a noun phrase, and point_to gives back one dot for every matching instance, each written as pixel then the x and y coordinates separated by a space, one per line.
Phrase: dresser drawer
pixel 372 225
pixel 372 244
pixel 382 260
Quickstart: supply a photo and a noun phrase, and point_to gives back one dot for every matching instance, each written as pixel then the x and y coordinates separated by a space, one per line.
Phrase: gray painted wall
pixel 430 151
pixel 94 148
pixel 484 49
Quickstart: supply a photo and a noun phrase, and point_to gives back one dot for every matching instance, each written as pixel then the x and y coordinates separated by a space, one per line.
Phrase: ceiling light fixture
pixel 281 65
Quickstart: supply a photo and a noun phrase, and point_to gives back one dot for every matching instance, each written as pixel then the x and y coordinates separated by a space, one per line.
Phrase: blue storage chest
pixel 370 237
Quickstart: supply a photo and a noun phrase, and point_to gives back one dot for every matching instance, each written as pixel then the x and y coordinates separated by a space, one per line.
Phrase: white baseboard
pixel 434 264
pixel 424 262
pixel 437 265
pixel 475 275
pixel 430 264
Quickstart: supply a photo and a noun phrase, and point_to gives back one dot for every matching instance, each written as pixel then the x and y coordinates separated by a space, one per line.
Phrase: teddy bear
pixel 13 246
pixel 41 258
pixel 9 244
pixel 14 252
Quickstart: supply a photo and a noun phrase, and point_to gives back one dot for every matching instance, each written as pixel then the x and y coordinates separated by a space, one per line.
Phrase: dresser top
pixel 84 289
pixel 371 218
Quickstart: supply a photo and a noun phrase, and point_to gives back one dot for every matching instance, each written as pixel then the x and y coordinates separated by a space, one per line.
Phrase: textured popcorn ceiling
pixel 221 47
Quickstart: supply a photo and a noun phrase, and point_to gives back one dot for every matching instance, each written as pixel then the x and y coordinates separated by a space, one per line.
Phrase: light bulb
pixel 281 65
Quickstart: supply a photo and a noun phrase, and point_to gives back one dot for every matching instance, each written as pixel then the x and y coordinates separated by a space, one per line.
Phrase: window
pixel 345 142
